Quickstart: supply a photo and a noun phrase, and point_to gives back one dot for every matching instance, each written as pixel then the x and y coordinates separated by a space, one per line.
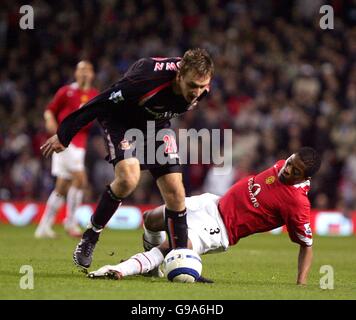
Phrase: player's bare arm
pixel 304 263
pixel 50 122
pixel 51 145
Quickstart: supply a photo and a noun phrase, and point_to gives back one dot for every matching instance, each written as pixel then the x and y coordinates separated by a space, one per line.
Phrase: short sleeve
pixel 57 102
pixel 298 224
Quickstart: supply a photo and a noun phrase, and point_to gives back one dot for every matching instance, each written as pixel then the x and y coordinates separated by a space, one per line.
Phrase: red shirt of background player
pixel 68 99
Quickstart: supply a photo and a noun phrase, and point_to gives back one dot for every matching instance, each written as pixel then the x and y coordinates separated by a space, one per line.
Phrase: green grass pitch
pixel 262 266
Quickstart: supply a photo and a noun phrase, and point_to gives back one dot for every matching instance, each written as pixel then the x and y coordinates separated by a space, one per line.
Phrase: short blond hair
pixel 197 60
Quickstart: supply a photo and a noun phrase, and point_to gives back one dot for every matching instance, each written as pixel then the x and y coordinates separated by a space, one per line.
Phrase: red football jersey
pixel 261 203
pixel 68 99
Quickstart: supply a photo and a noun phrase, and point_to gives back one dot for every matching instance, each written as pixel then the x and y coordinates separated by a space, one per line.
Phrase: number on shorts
pixel 213 231
pixel 171 144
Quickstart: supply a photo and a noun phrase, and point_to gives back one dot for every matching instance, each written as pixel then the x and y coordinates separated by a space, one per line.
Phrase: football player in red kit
pixel 68 167
pixel 259 203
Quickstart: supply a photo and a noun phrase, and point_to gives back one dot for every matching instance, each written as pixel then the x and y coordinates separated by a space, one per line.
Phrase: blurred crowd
pixel 281 82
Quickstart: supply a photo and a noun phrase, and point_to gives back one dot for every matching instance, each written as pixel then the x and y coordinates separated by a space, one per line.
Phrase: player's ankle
pixel 91 235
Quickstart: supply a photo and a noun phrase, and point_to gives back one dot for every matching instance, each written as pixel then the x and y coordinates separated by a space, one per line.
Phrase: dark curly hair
pixel 312 160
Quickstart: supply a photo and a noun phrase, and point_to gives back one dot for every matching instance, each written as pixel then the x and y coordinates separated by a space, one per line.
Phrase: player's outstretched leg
pixel 140 263
pixel 83 253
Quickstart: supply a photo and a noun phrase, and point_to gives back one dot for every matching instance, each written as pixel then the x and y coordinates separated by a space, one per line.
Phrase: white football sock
pixel 74 200
pixel 140 263
pixel 153 238
pixel 54 202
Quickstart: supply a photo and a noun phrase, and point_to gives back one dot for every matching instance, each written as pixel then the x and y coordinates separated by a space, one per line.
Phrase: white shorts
pixel 68 161
pixel 206 229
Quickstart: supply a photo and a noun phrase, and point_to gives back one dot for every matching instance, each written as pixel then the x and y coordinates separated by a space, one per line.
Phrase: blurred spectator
pixel 25 174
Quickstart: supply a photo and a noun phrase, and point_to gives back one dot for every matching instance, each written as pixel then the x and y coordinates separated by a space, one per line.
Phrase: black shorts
pixel 127 134
pixel 158 154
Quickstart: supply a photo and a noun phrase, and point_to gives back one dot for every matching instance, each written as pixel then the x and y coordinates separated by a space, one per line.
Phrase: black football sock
pixel 177 228
pixel 106 208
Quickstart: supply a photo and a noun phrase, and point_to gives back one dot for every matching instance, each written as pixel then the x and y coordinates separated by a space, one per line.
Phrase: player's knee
pixel 124 185
pixel 62 187
pixel 146 219
pixel 128 183
pixel 79 181
pixel 150 221
pixel 61 191
pixel 175 191
pixel 175 198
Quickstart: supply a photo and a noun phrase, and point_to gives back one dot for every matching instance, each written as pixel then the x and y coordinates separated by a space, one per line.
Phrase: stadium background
pixel 281 82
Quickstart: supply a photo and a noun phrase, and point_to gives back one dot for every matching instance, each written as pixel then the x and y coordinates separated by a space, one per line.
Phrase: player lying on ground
pixel 270 199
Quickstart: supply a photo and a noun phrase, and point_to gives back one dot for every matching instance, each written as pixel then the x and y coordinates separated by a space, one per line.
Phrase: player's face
pixel 293 171
pixel 192 85
pixel 84 73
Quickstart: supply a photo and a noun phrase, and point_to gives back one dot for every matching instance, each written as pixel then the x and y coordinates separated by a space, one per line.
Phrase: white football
pixel 182 265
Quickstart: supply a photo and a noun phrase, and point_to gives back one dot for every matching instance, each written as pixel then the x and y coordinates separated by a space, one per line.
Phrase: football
pixel 182 265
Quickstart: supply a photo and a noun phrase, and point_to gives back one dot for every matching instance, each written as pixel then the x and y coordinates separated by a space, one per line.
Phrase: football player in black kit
pixel 153 89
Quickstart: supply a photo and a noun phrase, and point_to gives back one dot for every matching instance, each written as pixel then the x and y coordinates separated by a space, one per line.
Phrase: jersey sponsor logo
pixel 116 96
pixel 162 115
pixel 270 180
pixel 253 190
pixel 84 99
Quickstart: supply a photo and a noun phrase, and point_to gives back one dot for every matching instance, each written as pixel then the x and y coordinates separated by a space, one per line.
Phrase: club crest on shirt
pixel 125 145
pixel 84 99
pixel 270 179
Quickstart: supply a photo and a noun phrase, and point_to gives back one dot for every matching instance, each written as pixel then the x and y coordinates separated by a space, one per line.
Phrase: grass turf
pixel 261 266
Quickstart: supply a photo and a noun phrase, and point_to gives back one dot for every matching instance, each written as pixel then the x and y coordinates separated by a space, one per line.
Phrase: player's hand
pixel 51 145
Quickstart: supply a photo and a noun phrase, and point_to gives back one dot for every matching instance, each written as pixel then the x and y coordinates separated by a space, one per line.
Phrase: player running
pixel 153 89
pixel 68 166
pixel 268 200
